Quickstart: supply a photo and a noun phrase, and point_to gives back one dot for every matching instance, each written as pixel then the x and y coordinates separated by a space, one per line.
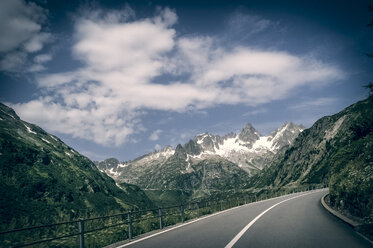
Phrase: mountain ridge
pixel 229 146
pixel 205 163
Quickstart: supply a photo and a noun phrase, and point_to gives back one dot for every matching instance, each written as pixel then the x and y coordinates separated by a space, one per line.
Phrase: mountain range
pixel 206 163
pixel 336 151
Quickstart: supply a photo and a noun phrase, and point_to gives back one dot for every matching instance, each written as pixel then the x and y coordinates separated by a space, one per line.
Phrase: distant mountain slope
pixel 206 163
pixel 43 179
pixel 337 150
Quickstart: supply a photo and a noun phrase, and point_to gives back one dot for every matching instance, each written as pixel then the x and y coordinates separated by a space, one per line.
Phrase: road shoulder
pixel 354 224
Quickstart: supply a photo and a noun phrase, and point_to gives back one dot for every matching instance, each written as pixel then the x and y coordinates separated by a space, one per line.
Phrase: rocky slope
pixel 43 180
pixel 337 151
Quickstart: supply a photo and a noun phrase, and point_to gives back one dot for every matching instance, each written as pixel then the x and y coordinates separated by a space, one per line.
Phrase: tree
pixel 370 87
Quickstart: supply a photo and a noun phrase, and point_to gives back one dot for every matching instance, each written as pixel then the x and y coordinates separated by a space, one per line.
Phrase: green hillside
pixel 44 181
pixel 338 151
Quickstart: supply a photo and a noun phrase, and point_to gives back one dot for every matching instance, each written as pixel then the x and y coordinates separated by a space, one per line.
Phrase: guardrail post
pixel 182 213
pixel 160 218
pixel 129 225
pixel 81 233
pixel 197 209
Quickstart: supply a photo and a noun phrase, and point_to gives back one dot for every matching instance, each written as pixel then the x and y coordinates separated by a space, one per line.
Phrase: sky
pixel 124 78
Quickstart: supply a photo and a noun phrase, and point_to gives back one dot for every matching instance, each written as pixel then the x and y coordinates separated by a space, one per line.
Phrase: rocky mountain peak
pixel 285 134
pixel 167 149
pixel 180 152
pixel 249 134
pixel 192 147
pixel 111 163
pixel 208 142
pixel 249 150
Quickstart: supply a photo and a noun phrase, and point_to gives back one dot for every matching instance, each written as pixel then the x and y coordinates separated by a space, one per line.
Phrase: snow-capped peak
pixel 243 147
pixel 248 149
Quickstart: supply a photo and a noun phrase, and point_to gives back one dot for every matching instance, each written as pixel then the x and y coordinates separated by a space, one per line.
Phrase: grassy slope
pixel 43 180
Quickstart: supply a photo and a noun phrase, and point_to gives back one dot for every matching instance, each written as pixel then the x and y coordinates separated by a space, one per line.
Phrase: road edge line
pixel 242 232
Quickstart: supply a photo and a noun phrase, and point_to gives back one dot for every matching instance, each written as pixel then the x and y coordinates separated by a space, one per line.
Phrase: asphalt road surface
pixel 296 220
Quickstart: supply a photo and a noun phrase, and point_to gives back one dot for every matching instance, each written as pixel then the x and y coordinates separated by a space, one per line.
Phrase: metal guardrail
pixel 129 218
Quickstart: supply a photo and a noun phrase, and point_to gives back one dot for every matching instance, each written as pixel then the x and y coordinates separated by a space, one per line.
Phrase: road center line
pixel 239 235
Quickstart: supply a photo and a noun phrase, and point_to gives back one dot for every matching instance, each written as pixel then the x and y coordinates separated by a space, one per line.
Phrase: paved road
pixel 296 220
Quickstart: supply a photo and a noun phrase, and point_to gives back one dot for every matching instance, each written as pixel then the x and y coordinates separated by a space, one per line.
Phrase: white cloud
pixel 42 58
pixel 21 32
pixel 39 60
pixel 256 111
pixel 157 147
pixel 37 42
pixel 104 100
pixel 102 125
pixel 308 104
pixel 249 24
pixel 12 61
pixel 36 68
pixel 155 135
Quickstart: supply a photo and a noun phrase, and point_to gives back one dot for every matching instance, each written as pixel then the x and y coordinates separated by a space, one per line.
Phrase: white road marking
pixel 208 216
pixel 175 227
pixel 239 235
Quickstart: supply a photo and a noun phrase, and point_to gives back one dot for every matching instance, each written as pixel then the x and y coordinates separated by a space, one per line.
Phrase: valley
pixel 45 180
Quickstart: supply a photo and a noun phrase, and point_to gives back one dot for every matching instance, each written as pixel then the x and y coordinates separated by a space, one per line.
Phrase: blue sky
pixel 122 78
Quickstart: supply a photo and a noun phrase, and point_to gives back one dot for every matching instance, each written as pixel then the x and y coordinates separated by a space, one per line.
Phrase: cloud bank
pixel 132 66
pixel 21 34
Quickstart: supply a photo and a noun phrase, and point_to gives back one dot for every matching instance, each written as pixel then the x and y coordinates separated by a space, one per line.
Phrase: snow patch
pixel 68 154
pixel 122 165
pixel 113 173
pixel 29 129
pixel 201 137
pixel 199 156
pixel 164 154
pixel 264 142
pixel 280 132
pixel 46 140
pixel 168 153
pixel 229 145
pixel 53 137
pixel 187 160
